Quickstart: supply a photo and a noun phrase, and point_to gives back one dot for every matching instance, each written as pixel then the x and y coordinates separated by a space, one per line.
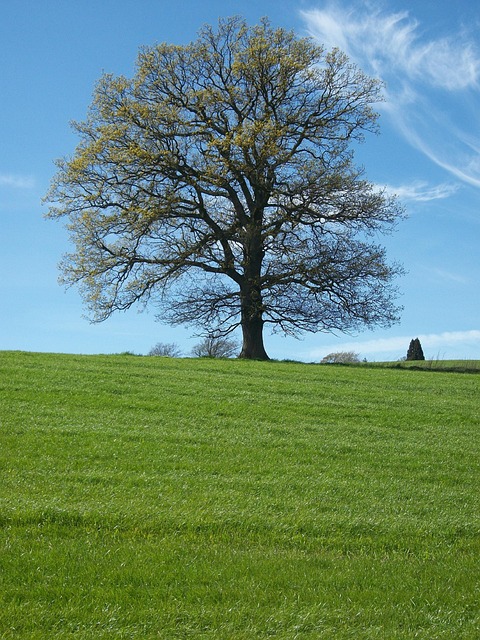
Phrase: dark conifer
pixel 415 351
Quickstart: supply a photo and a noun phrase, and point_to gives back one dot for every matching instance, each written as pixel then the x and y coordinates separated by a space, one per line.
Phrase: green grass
pixel 170 499
pixel 452 366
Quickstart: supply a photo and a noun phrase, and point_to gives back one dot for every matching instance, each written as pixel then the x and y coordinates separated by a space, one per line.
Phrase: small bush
pixel 341 357
pixel 215 347
pixel 168 350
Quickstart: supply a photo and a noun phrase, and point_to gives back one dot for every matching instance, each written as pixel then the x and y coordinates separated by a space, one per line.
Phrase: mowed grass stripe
pixel 165 498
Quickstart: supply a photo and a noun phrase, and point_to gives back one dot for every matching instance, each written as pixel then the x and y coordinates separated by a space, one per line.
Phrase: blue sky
pixel 428 53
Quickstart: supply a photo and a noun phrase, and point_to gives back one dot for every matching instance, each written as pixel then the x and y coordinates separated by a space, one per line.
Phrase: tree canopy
pixel 218 184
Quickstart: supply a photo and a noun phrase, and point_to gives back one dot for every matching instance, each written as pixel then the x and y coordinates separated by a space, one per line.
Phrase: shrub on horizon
pixel 166 350
pixel 341 357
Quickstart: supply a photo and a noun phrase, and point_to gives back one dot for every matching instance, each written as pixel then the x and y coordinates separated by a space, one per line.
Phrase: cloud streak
pixel 419 74
pixel 444 275
pixel 420 191
pixel 399 344
pixel 16 181
pixel 392 42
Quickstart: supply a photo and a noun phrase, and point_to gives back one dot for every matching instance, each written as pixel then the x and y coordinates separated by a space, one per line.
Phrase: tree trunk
pixel 251 295
pixel 252 328
pixel 252 347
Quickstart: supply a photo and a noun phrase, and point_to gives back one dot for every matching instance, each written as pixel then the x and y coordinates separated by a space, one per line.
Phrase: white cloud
pixel 439 142
pixel 443 274
pixel 399 344
pixel 420 191
pixel 449 64
pixel 431 83
pixel 377 345
pixel 16 181
pixel 392 43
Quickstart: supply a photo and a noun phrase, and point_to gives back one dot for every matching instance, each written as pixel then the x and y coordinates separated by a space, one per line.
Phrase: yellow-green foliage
pixel 218 184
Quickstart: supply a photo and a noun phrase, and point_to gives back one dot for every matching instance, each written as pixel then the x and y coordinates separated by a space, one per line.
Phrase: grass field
pixel 447 366
pixel 176 499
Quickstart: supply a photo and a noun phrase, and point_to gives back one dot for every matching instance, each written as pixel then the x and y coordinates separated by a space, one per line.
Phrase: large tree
pixel 219 185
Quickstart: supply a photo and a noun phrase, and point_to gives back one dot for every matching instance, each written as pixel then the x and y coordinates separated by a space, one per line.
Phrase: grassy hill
pixel 163 498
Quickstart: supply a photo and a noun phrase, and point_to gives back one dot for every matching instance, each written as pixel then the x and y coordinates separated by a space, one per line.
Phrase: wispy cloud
pixel 16 181
pixel 392 44
pixel 398 344
pixel 449 276
pixel 420 191
pixel 431 84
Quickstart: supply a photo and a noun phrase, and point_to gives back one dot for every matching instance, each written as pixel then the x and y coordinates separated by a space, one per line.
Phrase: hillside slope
pixel 163 498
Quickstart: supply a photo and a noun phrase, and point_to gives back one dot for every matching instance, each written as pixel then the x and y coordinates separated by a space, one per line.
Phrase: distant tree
pixel 415 351
pixel 169 350
pixel 215 347
pixel 341 357
pixel 219 184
